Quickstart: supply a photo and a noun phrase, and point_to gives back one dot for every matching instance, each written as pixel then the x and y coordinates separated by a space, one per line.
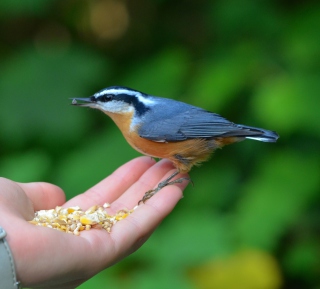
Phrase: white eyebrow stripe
pixel 137 94
pixel 145 100
pixel 115 91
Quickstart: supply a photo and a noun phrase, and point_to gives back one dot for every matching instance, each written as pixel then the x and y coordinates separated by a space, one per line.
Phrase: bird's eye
pixel 105 97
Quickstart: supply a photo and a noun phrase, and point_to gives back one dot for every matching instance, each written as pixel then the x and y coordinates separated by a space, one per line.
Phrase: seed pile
pixel 74 220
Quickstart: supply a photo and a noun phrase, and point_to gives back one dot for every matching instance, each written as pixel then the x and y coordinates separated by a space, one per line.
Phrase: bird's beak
pixel 82 101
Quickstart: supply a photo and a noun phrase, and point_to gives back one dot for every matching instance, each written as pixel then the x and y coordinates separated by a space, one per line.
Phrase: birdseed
pixel 73 220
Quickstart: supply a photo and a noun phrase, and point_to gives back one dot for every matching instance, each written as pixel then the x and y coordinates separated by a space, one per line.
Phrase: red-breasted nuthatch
pixel 166 128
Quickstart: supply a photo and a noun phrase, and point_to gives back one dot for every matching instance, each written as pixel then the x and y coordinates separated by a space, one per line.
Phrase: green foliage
pixel 16 8
pixel 277 99
pixel 35 91
pixel 161 73
pixel 254 208
pixel 276 195
pixel 26 166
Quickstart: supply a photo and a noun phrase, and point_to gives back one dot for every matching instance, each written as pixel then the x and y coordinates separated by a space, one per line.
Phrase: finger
pixel 129 234
pixel 44 196
pixel 114 185
pixel 149 180
pixel 14 200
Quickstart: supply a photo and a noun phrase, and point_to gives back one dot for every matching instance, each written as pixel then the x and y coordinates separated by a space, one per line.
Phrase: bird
pixel 165 128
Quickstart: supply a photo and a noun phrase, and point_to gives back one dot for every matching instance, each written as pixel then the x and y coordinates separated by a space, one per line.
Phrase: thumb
pixel 44 196
pixel 13 200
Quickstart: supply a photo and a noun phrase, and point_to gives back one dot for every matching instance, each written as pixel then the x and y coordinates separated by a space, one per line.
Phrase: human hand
pixel 47 258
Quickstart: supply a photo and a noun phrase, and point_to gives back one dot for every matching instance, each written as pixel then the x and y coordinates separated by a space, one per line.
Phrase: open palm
pixel 46 258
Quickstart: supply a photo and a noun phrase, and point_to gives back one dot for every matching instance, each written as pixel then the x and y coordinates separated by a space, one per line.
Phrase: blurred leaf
pixel 301 42
pixel 220 79
pixel 137 276
pixel 215 185
pixel 249 270
pixel 303 260
pixel 161 74
pixel 190 236
pixel 231 22
pixel 101 280
pixel 289 103
pixel 35 91
pixel 275 197
pixel 159 279
pixel 30 166
pixel 10 8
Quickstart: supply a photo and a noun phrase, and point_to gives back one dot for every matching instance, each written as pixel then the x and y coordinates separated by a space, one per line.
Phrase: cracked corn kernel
pixel 74 220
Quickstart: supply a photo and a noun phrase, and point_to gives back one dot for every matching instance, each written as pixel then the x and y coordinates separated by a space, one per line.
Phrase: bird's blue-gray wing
pixel 191 123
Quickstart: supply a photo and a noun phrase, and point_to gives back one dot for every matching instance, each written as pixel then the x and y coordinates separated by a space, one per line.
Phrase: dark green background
pixel 252 219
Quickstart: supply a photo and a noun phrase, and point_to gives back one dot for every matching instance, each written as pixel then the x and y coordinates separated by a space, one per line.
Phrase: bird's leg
pixel 161 185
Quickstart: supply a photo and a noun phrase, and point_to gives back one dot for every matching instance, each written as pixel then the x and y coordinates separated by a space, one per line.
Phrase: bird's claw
pixel 160 186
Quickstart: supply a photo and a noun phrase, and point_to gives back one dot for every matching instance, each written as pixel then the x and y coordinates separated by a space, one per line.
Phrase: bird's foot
pixel 163 184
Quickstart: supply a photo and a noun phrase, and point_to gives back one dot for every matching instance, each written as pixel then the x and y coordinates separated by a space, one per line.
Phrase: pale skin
pixel 46 258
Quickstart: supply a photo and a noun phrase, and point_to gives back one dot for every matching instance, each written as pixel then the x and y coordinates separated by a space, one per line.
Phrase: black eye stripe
pixel 105 97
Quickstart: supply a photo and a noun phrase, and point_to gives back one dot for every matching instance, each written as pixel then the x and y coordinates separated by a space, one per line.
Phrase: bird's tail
pixel 259 134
